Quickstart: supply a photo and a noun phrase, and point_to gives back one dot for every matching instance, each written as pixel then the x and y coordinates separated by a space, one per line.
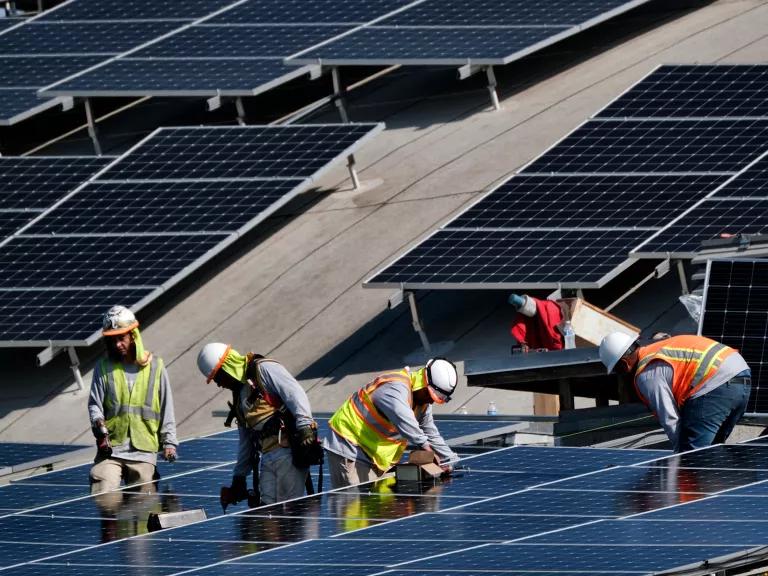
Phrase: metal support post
pixel 417 323
pixel 92 127
pixel 683 279
pixel 353 172
pixel 240 111
pixel 75 365
pixel 339 94
pixel 492 87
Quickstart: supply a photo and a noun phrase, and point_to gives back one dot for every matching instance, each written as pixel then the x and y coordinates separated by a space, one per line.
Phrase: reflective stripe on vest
pixel 361 423
pixel 133 413
pixel 694 360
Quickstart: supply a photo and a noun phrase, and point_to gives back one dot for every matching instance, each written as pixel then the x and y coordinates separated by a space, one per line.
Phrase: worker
pixel 272 410
pixel 130 408
pixel 371 430
pixel 697 388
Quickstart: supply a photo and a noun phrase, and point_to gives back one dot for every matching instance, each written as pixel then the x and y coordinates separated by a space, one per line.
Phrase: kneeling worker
pixel 697 388
pixel 261 387
pixel 372 429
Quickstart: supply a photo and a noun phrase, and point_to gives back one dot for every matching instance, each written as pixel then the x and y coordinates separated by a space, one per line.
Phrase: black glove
pixel 103 445
pixel 305 436
pixel 235 493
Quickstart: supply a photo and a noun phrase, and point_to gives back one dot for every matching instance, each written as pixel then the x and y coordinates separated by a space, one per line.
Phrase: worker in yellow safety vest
pixel 697 387
pixel 130 408
pixel 372 429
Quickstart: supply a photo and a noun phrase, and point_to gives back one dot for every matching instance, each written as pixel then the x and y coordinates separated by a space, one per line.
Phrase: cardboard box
pixel 420 467
pixel 591 324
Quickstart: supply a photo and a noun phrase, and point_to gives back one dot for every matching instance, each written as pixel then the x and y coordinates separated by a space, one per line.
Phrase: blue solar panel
pixel 662 532
pixel 48 568
pixel 17 453
pixel 60 38
pixel 383 45
pixel 36 182
pixel 512 258
pixel 752 183
pixel 601 146
pixel 14 552
pixel 594 558
pixel 166 207
pixel 129 76
pixel 759 488
pixel 16 69
pixel 509 13
pixel 42 315
pixel 6 22
pixel 239 41
pixel 235 569
pixel 12 221
pixel 80 262
pixel 558 460
pixel 131 507
pixel 582 503
pixel 730 456
pixel 696 91
pixel 307 11
pixel 724 507
pixel 707 221
pixel 22 497
pixel 134 10
pixel 45 529
pixel 608 201
pixel 291 151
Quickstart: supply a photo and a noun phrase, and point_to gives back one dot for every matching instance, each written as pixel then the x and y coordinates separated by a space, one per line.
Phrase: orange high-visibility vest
pixel 694 360
pixel 361 423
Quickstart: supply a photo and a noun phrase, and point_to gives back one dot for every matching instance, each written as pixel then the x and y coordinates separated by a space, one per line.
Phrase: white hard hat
pixel 210 359
pixel 613 347
pixel 441 378
pixel 118 320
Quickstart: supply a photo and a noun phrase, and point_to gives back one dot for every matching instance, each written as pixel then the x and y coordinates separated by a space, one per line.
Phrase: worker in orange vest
pixel 697 388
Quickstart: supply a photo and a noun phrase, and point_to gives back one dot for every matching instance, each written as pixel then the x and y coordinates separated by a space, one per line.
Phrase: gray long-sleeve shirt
pixel 655 384
pixel 277 382
pixel 167 431
pixel 392 400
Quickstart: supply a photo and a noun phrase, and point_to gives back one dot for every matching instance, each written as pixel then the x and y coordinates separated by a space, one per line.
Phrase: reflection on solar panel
pixel 735 312
pixel 450 32
pixel 17 456
pixel 62 281
pixel 652 181
pixel 696 91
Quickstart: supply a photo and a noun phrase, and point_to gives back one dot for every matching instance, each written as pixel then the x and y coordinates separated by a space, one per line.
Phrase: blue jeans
pixel 710 419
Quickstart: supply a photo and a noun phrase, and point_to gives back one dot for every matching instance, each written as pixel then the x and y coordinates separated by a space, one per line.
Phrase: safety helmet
pixel 118 320
pixel 442 378
pixel 210 359
pixel 613 347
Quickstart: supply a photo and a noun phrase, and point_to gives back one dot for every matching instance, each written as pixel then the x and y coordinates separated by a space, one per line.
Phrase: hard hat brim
pixel 218 366
pixel 120 331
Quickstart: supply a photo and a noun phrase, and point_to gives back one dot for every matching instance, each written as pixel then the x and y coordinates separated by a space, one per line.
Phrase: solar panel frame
pixel 726 318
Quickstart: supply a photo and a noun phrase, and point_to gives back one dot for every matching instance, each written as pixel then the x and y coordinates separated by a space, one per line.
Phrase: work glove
pixel 235 493
pixel 103 445
pixel 306 436
pixel 170 453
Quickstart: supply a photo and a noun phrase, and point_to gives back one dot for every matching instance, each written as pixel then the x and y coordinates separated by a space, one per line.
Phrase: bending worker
pixel 698 388
pixel 371 430
pixel 261 387
pixel 130 407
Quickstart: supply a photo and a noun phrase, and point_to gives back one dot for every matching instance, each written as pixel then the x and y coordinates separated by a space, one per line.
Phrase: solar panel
pixel 657 146
pixel 239 41
pixel 696 91
pixel 47 69
pixel 175 77
pixel 307 11
pixel 735 312
pixel 438 32
pixel 18 456
pixel 588 201
pixel 60 38
pixel 56 283
pixel 133 10
pixel 511 259
pixel 6 22
pixel 708 220
pixel 12 221
pixel 751 183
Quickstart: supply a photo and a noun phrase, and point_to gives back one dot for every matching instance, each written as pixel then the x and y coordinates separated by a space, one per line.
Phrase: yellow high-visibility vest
pixel 361 423
pixel 134 413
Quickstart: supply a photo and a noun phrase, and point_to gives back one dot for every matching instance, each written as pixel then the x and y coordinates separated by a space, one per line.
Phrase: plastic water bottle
pixel 463 410
pixel 492 408
pixel 569 336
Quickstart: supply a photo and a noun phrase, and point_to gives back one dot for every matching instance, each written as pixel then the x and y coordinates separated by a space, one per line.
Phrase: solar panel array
pixel 233 52
pixel 519 510
pixel 18 456
pixel 150 218
pixel 677 159
pixel 735 312
pixel 451 32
